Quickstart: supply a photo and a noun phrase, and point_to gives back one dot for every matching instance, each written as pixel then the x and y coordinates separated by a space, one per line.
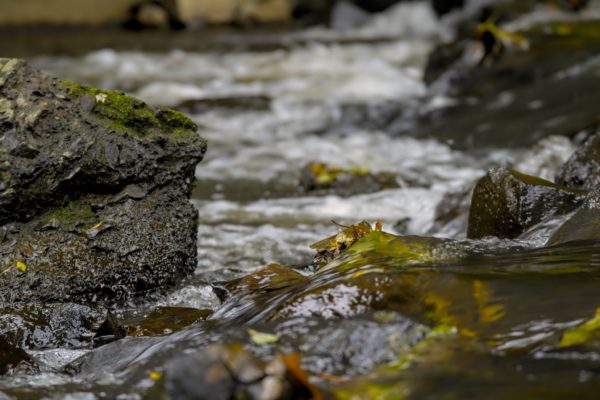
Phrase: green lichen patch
pixel 384 249
pixel 130 115
pixel 75 214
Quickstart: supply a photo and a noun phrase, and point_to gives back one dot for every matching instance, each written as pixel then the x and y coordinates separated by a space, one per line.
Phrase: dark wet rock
pixel 13 358
pixel 582 170
pixel 36 326
pixel 229 371
pixel 267 279
pixel 320 178
pixel 442 7
pixel 163 321
pixel 218 372
pixel 109 331
pixel 99 212
pixel 505 203
pixel 352 346
pixel 584 224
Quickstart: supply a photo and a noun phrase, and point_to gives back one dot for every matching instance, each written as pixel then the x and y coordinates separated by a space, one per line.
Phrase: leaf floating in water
pixel 21 266
pixel 262 338
pixel 581 333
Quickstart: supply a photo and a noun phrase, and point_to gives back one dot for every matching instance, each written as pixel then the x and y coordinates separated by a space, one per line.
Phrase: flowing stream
pixel 268 113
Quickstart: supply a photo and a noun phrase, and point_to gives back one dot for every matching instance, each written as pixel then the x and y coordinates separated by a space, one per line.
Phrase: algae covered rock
pixel 93 193
pixel 505 203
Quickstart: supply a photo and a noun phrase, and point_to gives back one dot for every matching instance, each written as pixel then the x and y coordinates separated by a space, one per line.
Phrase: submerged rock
pixel 320 178
pixel 230 371
pixel 267 279
pixel 163 321
pixel 506 202
pixel 94 191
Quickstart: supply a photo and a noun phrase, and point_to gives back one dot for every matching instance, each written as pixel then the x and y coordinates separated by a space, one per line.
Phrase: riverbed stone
pixel 94 191
pixel 221 371
pixel 582 170
pixel 12 357
pixel 584 224
pixel 506 202
pixel 35 326
pixel 324 179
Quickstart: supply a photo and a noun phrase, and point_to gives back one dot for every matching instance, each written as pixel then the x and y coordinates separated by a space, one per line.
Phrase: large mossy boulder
pixel 506 202
pixel 582 170
pixel 94 189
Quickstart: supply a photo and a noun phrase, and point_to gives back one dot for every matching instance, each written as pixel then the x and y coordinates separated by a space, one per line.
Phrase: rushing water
pixel 282 108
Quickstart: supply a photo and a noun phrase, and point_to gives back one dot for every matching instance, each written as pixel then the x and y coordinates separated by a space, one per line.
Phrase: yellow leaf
pixel 378 225
pixel 155 375
pixel 262 338
pixel 504 36
pixel 21 266
pixel 95 227
pixel 491 313
pixel 581 333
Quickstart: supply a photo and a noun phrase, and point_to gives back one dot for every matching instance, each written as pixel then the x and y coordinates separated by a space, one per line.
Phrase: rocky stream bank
pixel 97 229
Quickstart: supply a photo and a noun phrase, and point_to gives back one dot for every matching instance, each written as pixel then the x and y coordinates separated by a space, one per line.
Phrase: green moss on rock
pixel 74 214
pixel 130 115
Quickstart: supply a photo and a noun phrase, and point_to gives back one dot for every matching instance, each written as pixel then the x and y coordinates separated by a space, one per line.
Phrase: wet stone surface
pixel 94 191
pixel 390 301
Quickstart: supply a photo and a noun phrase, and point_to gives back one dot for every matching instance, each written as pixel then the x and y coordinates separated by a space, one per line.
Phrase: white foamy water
pixel 308 89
